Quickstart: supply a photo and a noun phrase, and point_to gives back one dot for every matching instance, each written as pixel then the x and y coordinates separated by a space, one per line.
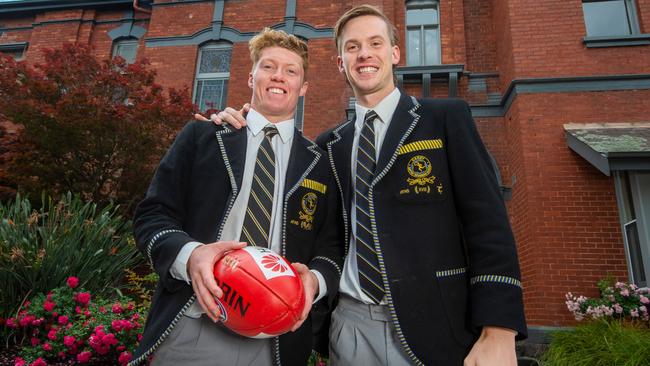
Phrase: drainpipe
pixel 138 8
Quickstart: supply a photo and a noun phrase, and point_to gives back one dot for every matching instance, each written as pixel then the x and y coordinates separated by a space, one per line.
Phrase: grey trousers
pixel 200 342
pixel 363 335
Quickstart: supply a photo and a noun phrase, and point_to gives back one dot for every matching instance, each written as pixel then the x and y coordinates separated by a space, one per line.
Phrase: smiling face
pixel 367 57
pixel 277 81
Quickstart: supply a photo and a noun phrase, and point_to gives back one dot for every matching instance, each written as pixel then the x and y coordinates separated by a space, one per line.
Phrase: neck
pixel 371 100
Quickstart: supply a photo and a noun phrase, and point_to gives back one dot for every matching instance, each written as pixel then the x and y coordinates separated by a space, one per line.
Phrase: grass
pixel 600 343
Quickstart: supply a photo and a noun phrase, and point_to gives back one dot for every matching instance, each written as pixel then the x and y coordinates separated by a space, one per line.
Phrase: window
pixel 126 48
pixel 633 195
pixel 212 73
pixel 422 33
pixel 15 50
pixel 610 17
pixel 300 113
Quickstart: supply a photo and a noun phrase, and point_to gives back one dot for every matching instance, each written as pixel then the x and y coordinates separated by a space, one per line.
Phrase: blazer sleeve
pixel 158 219
pixel 329 255
pixel 495 282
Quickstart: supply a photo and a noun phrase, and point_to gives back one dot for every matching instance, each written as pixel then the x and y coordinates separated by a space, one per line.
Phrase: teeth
pixel 276 90
pixel 367 69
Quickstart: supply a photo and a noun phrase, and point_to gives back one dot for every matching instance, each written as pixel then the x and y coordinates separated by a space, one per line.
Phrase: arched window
pixel 212 74
pixel 422 32
pixel 127 48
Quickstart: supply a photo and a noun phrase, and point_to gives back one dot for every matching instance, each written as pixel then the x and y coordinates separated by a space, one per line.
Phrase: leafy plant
pixel 70 323
pixel 96 127
pixel 600 343
pixel 141 287
pixel 618 301
pixel 39 249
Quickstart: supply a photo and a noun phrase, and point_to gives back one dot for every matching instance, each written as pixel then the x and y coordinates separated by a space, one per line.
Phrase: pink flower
pixel 618 308
pixel 49 296
pixel 63 320
pixel 644 300
pixel 35 341
pixel 117 308
pixel 625 292
pixel 47 347
pixel 634 313
pixel 39 362
pixel 19 362
pixel 72 281
pixel 26 320
pixel 102 310
pixel 11 323
pixel 48 306
pixel 124 358
pixel 77 309
pixel 83 298
pixel 37 322
pixel 51 335
pixel 84 356
pixel 68 341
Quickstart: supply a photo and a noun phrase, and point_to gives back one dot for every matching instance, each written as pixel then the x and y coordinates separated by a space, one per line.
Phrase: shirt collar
pixel 256 122
pixel 384 109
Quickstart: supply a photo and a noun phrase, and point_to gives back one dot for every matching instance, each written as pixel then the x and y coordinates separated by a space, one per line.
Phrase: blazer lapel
pixel 232 144
pixel 404 121
pixel 340 151
pixel 303 158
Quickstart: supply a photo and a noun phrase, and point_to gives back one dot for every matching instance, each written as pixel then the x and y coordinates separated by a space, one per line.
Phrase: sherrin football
pixel 262 294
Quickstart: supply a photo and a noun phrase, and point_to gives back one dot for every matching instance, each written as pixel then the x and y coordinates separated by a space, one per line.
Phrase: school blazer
pixel 440 229
pixel 190 196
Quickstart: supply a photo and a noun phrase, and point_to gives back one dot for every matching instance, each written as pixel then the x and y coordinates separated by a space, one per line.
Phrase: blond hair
pixel 277 38
pixel 359 11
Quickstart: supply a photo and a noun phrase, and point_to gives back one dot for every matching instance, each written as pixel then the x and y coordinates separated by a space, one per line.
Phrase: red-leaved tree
pixel 89 126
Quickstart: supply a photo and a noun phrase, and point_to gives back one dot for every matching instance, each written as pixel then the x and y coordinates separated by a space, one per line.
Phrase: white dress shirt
pixel 349 284
pixel 281 144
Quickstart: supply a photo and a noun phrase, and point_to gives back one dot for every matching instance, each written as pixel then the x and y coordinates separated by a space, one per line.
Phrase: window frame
pixel 17 47
pixel 124 41
pixel 435 25
pixel 635 38
pixel 633 200
pixel 209 76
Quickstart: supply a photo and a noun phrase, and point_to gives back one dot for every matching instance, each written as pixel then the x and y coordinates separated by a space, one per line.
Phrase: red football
pixel 262 294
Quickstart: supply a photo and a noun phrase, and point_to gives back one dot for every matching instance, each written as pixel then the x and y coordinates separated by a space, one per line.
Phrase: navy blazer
pixel 189 199
pixel 441 229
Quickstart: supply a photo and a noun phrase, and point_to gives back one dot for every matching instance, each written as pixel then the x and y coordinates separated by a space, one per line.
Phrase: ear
pixel 303 88
pixel 339 63
pixel 396 55
pixel 250 80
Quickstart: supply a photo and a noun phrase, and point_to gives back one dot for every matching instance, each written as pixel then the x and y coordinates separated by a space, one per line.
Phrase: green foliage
pixel 141 287
pixel 95 127
pixel 600 343
pixel 39 249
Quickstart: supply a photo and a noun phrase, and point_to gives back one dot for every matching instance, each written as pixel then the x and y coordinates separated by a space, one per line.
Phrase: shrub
pixel 618 301
pixel 40 249
pixel 600 343
pixel 97 127
pixel 71 323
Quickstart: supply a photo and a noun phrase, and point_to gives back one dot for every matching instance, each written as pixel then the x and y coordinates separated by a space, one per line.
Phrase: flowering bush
pixel 620 301
pixel 70 323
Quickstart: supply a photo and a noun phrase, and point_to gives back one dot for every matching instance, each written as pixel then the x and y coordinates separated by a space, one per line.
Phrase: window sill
pixel 617 41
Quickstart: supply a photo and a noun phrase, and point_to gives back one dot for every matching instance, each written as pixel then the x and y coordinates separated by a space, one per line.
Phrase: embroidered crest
pixel 308 203
pixel 419 169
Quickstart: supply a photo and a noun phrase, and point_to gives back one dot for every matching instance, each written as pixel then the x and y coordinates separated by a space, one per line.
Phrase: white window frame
pixel 208 76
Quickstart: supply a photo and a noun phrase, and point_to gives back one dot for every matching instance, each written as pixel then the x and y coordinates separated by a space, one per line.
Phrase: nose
pixel 364 52
pixel 278 75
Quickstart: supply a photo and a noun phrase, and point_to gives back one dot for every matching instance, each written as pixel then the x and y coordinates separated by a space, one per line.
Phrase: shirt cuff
pixel 178 270
pixel 322 286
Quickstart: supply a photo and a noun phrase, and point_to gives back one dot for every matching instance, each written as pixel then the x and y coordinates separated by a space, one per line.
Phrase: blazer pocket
pixel 453 287
pixel 304 211
pixel 420 173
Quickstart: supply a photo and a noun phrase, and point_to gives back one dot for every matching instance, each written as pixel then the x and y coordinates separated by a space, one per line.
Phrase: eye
pixel 291 71
pixel 376 43
pixel 352 47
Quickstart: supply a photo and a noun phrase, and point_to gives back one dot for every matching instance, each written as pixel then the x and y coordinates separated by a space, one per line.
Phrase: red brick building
pixel 560 90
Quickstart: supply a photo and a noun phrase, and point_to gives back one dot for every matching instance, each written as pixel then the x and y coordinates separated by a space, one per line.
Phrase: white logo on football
pixel 271 264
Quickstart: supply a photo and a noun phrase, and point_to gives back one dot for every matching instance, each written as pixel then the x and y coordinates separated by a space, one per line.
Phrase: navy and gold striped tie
pixel 367 262
pixel 257 222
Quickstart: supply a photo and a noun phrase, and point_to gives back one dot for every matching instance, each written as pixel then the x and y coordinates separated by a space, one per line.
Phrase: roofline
pixel 40 5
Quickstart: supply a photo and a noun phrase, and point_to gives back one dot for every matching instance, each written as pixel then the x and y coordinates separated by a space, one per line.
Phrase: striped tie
pixel 257 222
pixel 367 262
